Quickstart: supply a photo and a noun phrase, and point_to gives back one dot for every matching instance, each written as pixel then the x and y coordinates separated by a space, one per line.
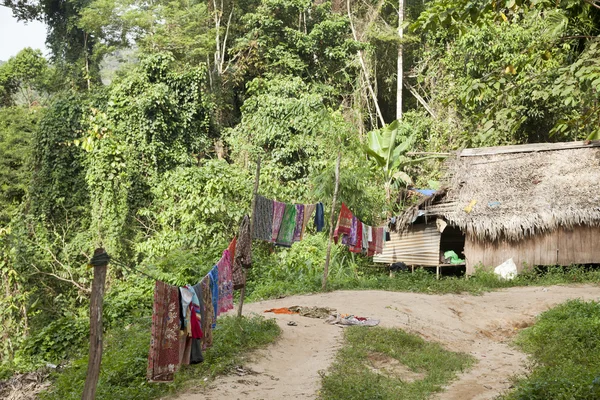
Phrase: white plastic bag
pixel 507 270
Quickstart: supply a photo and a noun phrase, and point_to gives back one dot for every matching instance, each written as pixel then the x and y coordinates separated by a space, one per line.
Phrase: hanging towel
pixel 357 248
pixel 214 291
pixel 299 222
pixel 225 282
pixel 208 312
pixel 288 224
pixel 309 209
pixel 319 217
pixel 278 210
pixel 263 218
pixel 365 237
pixel 243 247
pixel 163 358
pixel 344 223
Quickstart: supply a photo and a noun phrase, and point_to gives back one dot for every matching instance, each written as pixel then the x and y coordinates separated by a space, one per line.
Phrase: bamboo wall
pixel 580 245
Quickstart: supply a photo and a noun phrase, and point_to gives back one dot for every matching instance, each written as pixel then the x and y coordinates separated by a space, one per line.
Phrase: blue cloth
pixel 319 217
pixel 426 192
pixel 214 287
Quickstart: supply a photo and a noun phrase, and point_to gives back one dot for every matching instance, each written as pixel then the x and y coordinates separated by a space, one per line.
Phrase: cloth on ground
pixel 282 310
pixel 263 218
pixel 288 224
pixel 319 217
pixel 214 291
pixel 208 313
pixel 344 223
pixel 351 320
pixel 225 282
pixel 163 358
pixel 309 209
pixel 299 222
pixel 278 210
pixel 313 312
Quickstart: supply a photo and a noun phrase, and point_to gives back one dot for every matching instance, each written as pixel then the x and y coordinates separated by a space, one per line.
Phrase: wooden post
pixel 100 264
pixel 332 219
pixel 254 194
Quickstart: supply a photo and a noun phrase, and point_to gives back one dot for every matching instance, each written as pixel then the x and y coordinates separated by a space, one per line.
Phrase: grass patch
pixel 564 345
pixel 381 363
pixel 125 359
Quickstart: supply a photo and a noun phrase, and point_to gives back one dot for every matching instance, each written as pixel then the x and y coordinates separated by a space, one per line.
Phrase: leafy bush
pixel 564 345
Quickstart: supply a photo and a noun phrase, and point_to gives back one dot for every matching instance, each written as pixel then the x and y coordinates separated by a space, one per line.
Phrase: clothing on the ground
pixel 282 310
pixel 319 217
pixel 263 218
pixel 344 223
pixel 299 222
pixel 309 209
pixel 288 224
pixel 341 319
pixel 278 210
pixel 163 358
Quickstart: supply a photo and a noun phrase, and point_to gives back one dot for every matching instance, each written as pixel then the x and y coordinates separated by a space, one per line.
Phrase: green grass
pixel 125 359
pixel 352 375
pixel 421 281
pixel 564 345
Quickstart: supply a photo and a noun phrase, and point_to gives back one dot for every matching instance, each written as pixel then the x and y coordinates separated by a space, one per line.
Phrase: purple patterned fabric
pixel 350 240
pixel 299 222
pixel 278 209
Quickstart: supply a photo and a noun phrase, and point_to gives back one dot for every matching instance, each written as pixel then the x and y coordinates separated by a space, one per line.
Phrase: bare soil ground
pixel 482 326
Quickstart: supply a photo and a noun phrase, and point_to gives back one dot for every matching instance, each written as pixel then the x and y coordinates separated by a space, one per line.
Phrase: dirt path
pixel 479 325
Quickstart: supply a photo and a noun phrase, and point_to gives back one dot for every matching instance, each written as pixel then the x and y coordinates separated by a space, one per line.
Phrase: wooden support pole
pixel 100 264
pixel 254 194
pixel 332 220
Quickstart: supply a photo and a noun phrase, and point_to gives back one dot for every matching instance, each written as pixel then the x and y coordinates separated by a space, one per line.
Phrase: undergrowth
pixel 424 367
pixel 564 345
pixel 125 359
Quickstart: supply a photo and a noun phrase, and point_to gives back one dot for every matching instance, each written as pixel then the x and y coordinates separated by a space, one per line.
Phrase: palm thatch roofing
pixel 517 191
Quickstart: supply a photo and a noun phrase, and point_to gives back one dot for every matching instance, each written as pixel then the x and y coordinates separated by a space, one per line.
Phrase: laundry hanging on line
pixel 359 237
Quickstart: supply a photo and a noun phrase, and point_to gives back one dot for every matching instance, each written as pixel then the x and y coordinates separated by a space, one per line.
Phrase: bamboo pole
pixel 254 194
pixel 332 219
pixel 100 264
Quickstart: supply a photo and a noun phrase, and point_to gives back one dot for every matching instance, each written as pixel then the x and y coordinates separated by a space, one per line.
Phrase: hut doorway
pixel 453 239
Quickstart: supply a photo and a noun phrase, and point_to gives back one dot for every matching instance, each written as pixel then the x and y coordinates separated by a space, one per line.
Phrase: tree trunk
pixel 400 66
pixel 332 219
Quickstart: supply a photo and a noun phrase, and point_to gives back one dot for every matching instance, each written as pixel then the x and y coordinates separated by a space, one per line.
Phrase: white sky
pixel 15 35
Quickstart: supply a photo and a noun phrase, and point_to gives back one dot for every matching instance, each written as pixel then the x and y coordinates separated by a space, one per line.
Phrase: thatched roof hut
pixel 509 200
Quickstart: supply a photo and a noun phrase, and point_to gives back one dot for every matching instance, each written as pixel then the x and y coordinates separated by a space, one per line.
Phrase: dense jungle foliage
pixel 140 133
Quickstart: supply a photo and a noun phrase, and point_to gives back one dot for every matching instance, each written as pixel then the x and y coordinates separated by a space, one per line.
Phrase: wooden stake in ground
pixel 332 219
pixel 254 194
pixel 100 264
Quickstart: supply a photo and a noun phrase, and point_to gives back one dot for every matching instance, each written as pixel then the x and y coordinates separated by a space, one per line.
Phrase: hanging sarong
pixel 299 222
pixel 359 238
pixel 351 239
pixel 344 223
pixel 288 224
pixel 278 210
pixel 207 321
pixel 263 218
pixel 214 291
pixel 319 217
pixel 225 282
pixel 309 209
pixel 163 359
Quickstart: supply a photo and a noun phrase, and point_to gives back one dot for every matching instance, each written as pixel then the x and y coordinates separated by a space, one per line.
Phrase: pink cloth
pixel 225 283
pixel 278 209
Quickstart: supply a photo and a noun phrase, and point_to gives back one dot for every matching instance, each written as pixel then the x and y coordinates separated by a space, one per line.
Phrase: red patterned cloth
pixel 225 282
pixel 359 238
pixel 380 240
pixel 163 359
pixel 344 223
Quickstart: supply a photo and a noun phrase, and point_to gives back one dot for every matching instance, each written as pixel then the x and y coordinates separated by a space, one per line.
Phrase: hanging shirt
pixel 319 217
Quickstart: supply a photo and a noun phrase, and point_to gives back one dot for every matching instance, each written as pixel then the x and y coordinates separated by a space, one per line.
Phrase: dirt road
pixel 482 326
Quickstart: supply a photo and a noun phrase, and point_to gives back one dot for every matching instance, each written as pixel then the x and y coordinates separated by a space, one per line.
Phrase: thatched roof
pixel 518 191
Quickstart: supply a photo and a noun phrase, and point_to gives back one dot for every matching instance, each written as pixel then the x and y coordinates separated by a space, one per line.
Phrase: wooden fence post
pixel 254 194
pixel 332 219
pixel 100 264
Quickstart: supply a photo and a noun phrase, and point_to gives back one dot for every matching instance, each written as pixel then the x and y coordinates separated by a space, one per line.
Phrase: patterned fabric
pixel 198 290
pixel 214 290
pixel 208 312
pixel 344 223
pixel 357 248
pixel 263 218
pixel 238 276
pixel 288 224
pixel 163 359
pixel 225 282
pixel 278 210
pixel 309 209
pixel 319 217
pixel 380 237
pixel 243 247
pixel 299 222
pixel 351 239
